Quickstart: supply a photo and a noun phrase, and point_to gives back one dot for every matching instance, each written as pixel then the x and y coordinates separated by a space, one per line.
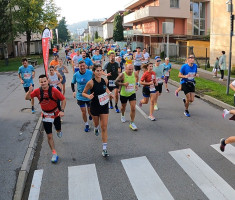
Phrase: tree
pixel 118 28
pixel 96 35
pixel 63 31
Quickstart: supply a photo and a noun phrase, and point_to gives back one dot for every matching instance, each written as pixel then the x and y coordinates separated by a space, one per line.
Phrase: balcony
pixel 131 33
pixel 158 11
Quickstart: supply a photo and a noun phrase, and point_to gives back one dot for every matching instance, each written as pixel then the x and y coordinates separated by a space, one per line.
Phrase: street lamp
pixel 230 9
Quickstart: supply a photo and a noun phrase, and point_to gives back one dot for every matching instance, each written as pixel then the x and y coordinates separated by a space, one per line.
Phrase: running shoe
pixel 33 111
pixel 110 107
pixel 90 117
pixel 123 119
pixel 87 128
pixel 133 126
pixel 117 110
pixel 96 131
pixel 152 118
pixel 54 158
pixel 155 107
pixel 222 144
pixel 186 113
pixel 167 90
pixel 140 104
pixel 176 93
pixel 184 100
pixel 59 134
pixel 225 112
pixel 61 120
pixel 105 153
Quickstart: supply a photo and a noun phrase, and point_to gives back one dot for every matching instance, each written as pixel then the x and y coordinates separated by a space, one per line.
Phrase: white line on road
pixel 141 112
pixel 213 186
pixel 83 183
pixel 36 184
pixel 144 180
pixel 229 152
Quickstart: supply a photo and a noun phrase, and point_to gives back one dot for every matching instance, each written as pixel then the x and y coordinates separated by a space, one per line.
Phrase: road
pixel 171 158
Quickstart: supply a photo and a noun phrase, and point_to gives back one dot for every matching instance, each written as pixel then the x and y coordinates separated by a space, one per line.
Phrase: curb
pixel 26 165
pixel 207 98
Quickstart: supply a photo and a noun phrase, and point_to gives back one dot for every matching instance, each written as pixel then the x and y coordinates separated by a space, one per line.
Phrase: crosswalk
pixel 83 182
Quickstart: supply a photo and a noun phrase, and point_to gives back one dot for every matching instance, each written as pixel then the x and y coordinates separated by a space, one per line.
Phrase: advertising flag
pixel 46 36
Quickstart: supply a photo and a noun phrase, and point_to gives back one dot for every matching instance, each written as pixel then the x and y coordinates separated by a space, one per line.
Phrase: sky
pixel 80 10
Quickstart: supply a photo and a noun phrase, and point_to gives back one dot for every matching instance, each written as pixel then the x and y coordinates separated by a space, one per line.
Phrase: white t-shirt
pixel 146 57
pixel 76 58
pixel 233 83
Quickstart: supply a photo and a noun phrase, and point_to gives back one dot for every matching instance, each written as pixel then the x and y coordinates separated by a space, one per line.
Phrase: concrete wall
pixel 199 48
pixel 107 30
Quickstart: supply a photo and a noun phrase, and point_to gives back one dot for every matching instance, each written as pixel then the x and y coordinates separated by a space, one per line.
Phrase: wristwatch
pixel 62 110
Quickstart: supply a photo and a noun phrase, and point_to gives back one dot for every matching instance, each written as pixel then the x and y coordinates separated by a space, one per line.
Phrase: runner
pixel 112 73
pixel 26 74
pixel 146 56
pixel 81 78
pixel 62 69
pixel 128 57
pixel 87 60
pixel 75 60
pixel 167 69
pixel 55 51
pixel 99 96
pixel 122 53
pixel 159 71
pixel 48 97
pixel 138 58
pixel 148 79
pixel 127 80
pixel 187 73
pixel 55 61
pixel 97 58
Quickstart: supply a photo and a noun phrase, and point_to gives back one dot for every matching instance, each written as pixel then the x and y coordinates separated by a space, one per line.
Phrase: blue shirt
pixel 97 58
pixel 87 61
pixel 123 53
pixel 81 80
pixel 187 70
pixel 26 75
pixel 166 68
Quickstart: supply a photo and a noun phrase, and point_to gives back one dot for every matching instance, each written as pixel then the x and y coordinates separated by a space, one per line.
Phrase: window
pixel 199 13
pixel 174 3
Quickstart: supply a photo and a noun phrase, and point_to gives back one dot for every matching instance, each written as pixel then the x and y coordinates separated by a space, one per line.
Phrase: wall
pixel 199 48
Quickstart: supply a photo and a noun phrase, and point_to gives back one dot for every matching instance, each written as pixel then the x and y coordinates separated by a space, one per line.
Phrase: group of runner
pixel 94 94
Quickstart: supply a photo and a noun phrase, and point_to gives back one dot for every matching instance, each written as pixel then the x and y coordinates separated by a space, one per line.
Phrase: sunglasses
pixel 191 57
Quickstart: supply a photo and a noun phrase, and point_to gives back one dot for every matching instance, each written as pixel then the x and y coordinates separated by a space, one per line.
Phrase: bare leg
pixel 152 101
pixel 51 141
pixel 230 140
pixel 84 115
pixel 132 113
pixel 103 125
pixel 123 108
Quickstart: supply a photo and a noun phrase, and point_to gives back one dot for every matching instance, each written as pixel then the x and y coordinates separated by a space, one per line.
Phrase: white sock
pixel 226 112
pixel 97 127
pixel 86 123
pixel 104 146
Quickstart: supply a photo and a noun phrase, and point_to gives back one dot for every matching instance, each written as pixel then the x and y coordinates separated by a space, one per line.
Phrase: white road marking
pixel 36 184
pixel 141 112
pixel 228 153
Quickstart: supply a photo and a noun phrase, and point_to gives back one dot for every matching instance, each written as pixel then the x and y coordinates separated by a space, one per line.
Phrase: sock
pixel 86 123
pixel 223 142
pixel 186 111
pixel 226 112
pixel 97 127
pixel 54 152
pixel 104 146
pixel 32 107
pixel 111 103
pixel 116 106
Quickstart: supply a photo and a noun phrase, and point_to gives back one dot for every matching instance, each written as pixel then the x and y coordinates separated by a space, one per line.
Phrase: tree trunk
pixel 28 36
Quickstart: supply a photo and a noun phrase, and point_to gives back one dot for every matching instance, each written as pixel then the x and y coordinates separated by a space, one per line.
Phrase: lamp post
pixel 230 9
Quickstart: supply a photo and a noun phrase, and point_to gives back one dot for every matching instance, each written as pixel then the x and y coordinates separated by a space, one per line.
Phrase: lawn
pixel 15 63
pixel 208 87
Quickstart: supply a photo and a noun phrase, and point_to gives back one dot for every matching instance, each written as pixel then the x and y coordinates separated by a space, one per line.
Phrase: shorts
pixel 159 88
pixel 111 88
pixel 188 87
pixel 83 104
pixel 64 80
pixel 124 99
pixel 146 91
pixel 137 67
pixel 48 125
pixel 97 110
pixel 26 89
pixel 166 78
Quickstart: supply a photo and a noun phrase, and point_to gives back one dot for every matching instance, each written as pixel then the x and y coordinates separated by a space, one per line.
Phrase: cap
pixel 124 48
pixel 128 50
pixel 157 57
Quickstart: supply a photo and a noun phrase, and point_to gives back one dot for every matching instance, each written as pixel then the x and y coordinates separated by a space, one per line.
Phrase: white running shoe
pixel 225 112
pixel 123 119
pixel 155 107
pixel 133 126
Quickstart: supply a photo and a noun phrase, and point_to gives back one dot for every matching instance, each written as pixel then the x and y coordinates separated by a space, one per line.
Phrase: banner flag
pixel 46 36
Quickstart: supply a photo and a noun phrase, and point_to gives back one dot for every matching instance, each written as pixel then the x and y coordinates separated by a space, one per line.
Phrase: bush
pixel 208 64
pixel 162 55
pixel 233 71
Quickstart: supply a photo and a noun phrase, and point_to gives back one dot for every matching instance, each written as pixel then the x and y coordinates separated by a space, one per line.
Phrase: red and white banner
pixel 46 36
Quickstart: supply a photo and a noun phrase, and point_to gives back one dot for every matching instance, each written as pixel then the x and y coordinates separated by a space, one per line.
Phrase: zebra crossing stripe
pixel 83 183
pixel 229 152
pixel 213 186
pixel 144 180
pixel 36 184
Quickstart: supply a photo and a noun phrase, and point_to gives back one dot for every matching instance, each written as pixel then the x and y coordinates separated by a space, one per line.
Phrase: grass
pixel 207 87
pixel 218 74
pixel 15 63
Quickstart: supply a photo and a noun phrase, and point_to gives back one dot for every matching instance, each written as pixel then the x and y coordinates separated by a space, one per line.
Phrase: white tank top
pixel 54 79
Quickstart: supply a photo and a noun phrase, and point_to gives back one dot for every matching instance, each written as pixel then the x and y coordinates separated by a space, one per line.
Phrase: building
pixel 94 26
pixel 191 20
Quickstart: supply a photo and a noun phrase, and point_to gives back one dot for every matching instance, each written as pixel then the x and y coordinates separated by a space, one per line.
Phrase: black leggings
pixel 222 74
pixel 48 125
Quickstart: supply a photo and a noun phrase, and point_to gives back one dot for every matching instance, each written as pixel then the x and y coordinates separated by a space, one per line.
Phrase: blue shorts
pixel 83 104
pixel 146 91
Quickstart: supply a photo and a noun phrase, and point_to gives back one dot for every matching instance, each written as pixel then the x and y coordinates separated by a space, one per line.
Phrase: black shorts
pixel 159 87
pixel 83 104
pixel 188 87
pixel 26 89
pixel 146 91
pixel 124 99
pixel 112 88
pixel 97 110
pixel 137 67
pixel 48 125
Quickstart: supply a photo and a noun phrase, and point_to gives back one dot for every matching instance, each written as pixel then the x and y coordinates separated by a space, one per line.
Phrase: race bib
pixel 191 75
pixel 159 80
pixel 112 83
pixel 48 117
pixel 103 98
pixel 152 88
pixel 97 62
pixel 167 73
pixel 27 76
pixel 130 88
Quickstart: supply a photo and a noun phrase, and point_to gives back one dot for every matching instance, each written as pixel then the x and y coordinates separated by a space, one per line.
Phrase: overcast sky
pixel 80 10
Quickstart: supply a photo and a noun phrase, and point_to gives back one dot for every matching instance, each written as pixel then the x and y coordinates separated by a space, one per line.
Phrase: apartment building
pixel 94 26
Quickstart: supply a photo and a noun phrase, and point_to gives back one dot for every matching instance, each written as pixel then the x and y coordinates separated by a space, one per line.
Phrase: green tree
pixel 118 28
pixel 96 35
pixel 63 31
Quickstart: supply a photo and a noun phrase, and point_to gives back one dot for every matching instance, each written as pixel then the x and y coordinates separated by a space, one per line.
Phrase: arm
pixel 63 104
pixel 21 80
pixel 232 86
pixel 73 90
pixel 88 86
pixel 60 77
pixel 65 70
pixel 33 74
pixel 107 89
pixel 182 76
pixel 136 81
pixel 27 96
pixel 119 80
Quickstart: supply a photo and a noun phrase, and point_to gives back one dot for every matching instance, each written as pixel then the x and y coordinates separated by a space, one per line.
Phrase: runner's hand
pixel 126 84
pixel 136 87
pixel 30 88
pixel 109 74
pixel 74 94
pixel 151 83
pixel 91 96
pixel 61 114
pixel 196 75
pixel 22 82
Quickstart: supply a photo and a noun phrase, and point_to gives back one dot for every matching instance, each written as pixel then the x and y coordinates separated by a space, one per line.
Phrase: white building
pixel 94 26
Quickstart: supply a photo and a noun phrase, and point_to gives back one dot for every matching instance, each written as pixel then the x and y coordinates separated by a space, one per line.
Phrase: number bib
pixel 130 88
pixel 159 80
pixel 97 62
pixel 152 88
pixel 48 117
pixel 191 75
pixel 103 98
pixel 167 73
pixel 27 75
pixel 112 83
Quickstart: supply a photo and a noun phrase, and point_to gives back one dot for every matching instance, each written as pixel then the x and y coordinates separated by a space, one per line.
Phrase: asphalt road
pixel 138 160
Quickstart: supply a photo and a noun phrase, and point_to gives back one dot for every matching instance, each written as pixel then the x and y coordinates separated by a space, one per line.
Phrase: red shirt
pixel 147 76
pixel 49 104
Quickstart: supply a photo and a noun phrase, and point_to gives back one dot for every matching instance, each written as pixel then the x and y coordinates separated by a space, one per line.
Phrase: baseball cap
pixel 157 57
pixel 128 50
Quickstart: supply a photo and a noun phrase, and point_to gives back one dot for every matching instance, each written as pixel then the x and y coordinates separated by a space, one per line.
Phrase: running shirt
pixel 146 58
pixel 166 69
pixel 60 70
pixel 97 59
pixel 75 59
pixel 233 83
pixel 130 89
pixel 47 104
pixel 123 53
pixel 54 63
pixel 159 71
pixel 87 61
pixel 113 69
pixel 128 57
pixel 148 76
pixel 187 70
pixel 26 75
pixel 138 57
pixel 54 80
pixel 81 80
